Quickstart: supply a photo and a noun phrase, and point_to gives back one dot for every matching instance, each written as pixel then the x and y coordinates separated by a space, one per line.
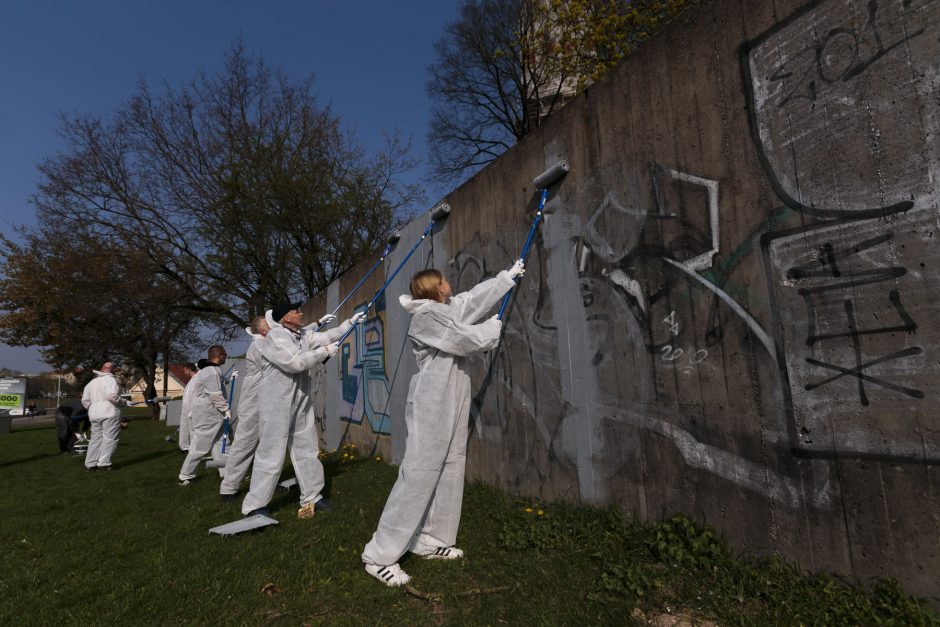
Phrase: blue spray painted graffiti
pixel 364 381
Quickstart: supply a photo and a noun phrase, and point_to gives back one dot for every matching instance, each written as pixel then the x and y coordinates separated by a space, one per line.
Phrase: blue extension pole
pixel 388 248
pixel 443 210
pixel 225 427
pixel 525 249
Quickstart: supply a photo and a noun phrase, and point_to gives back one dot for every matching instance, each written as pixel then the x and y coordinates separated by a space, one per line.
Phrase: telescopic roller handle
pixel 525 248
pixel 438 212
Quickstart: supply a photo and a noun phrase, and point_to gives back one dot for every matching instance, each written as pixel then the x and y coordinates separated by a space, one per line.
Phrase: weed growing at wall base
pixel 679 566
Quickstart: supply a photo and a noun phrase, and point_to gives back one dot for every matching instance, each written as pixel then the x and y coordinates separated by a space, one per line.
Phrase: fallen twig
pixel 432 597
pixel 424 596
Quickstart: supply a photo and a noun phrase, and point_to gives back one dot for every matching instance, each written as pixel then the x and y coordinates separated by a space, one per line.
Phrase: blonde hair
pixel 426 284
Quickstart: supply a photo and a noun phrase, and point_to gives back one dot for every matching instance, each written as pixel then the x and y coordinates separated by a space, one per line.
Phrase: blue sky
pixel 369 60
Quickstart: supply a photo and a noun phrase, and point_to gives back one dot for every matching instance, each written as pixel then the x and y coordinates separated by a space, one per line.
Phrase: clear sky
pixel 368 58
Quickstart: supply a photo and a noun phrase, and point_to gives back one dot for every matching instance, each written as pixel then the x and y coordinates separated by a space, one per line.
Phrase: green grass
pixel 131 547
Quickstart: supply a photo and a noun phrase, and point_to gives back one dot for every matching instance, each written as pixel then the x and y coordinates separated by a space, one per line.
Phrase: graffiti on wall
pixel 855 363
pixel 664 315
pixel 363 379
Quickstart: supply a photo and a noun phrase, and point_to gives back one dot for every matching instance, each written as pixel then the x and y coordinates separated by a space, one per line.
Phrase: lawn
pixel 131 547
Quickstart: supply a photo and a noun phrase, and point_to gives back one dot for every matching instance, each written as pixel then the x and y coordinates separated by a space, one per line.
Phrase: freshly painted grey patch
pixel 578 381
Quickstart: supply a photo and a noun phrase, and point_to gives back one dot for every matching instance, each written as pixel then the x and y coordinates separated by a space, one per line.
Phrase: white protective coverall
pixel 242 451
pixel 287 421
pixel 208 411
pixel 423 509
pixel 102 399
pixel 186 415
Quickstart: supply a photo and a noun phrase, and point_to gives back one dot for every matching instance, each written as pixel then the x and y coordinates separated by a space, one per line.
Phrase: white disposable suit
pixel 102 399
pixel 423 509
pixel 287 423
pixel 186 415
pixel 242 451
pixel 208 411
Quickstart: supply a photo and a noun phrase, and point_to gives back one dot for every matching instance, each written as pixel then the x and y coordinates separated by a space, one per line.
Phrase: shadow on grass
pixel 26 460
pixel 145 458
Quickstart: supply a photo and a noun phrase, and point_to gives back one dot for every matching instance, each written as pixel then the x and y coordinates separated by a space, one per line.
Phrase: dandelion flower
pixel 528 510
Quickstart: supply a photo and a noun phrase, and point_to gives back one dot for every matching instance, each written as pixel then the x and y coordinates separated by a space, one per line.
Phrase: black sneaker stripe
pixel 383 570
pixel 390 575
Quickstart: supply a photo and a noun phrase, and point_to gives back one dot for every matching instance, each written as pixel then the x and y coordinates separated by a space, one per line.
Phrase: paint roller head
pixel 394 237
pixel 440 211
pixel 551 175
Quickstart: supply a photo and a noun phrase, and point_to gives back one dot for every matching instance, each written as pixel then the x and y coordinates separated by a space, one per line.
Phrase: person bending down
pixel 423 509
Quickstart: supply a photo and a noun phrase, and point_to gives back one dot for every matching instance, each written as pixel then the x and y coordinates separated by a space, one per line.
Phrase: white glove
pixel 228 415
pixel 517 269
pixel 496 322
pixel 233 376
pixel 328 318
pixel 332 349
pixel 357 318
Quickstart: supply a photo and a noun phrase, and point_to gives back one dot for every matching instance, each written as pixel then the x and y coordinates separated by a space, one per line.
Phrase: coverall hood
pixel 413 305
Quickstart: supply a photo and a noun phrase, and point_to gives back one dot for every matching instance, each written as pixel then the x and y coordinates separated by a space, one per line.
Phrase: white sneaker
pixel 392 576
pixel 442 553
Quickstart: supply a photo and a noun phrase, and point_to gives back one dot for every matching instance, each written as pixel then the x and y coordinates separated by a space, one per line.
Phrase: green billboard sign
pixel 12 393
pixel 11 400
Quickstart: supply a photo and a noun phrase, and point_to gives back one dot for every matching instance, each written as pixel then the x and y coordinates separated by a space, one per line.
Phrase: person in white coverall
pixel 423 509
pixel 242 451
pixel 102 398
pixel 287 423
pixel 209 410
pixel 186 408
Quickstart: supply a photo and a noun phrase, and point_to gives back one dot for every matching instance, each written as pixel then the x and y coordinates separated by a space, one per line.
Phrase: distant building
pixel 177 381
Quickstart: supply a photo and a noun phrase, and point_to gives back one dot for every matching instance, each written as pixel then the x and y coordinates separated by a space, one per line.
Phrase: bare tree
pixel 238 188
pixel 505 65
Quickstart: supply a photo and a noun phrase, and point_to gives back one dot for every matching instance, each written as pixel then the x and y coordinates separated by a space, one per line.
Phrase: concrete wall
pixel 729 310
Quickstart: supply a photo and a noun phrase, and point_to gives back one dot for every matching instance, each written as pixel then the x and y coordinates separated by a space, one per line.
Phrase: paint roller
pixel 390 243
pixel 438 213
pixel 541 182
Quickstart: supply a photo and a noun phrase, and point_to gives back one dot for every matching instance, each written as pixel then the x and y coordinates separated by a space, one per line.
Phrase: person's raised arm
pixel 292 359
pixel 476 302
pixel 453 337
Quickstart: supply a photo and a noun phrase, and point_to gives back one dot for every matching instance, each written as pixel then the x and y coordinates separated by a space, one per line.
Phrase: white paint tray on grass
pixel 242 525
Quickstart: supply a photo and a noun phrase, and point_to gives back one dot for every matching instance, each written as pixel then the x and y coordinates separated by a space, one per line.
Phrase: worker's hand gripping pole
pixel 394 237
pixel 438 213
pixel 542 182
